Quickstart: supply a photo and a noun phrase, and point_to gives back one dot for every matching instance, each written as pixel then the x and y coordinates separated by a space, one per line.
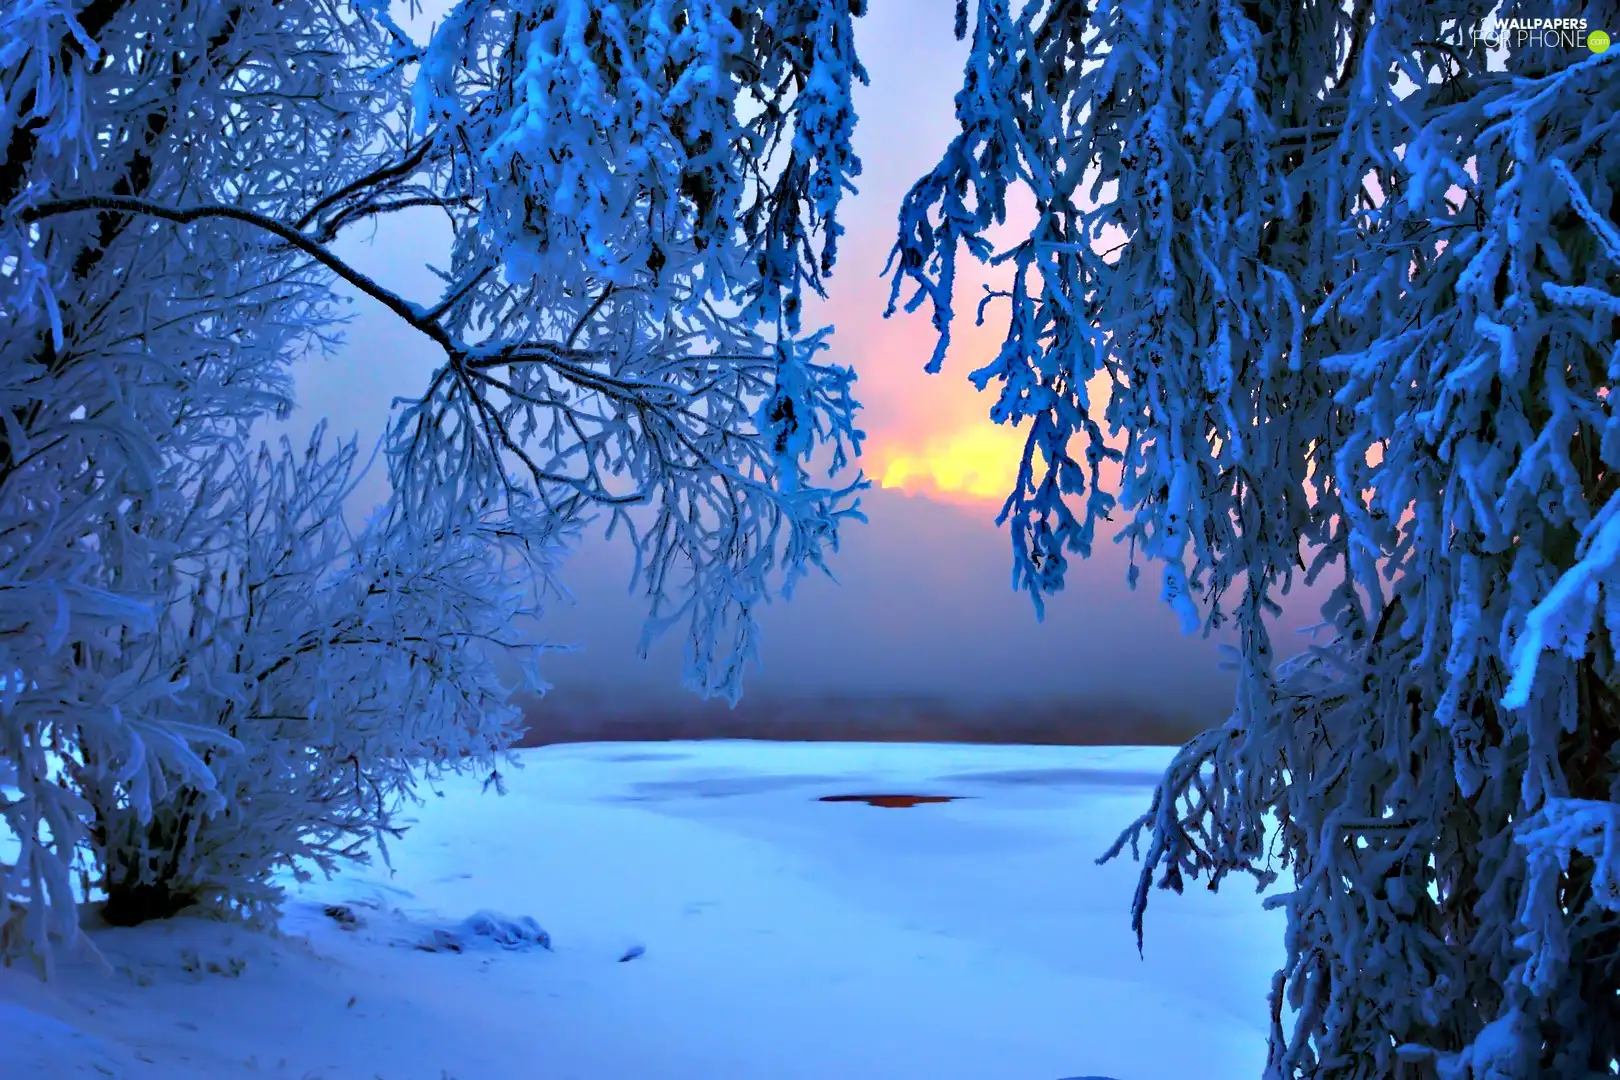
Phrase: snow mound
pixel 519 933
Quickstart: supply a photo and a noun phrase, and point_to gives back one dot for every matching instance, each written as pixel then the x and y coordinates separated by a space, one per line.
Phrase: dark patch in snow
pixel 645 756
pixel 193 962
pixel 344 915
pixel 891 802
pixel 441 941
pixel 632 952
pixel 1059 778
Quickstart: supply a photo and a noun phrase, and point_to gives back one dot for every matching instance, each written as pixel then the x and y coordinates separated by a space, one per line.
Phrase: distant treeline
pixel 568 716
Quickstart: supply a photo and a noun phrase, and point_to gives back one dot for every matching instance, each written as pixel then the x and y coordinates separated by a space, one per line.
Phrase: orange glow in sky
pixel 976 463
pixel 942 443
pixel 926 434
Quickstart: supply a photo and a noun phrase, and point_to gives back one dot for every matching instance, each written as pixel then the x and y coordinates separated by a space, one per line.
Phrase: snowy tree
pixel 125 349
pixel 640 193
pixel 644 183
pixel 1353 288
pixel 324 671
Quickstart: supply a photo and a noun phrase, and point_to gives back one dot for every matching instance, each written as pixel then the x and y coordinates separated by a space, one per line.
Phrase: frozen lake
pixel 781 936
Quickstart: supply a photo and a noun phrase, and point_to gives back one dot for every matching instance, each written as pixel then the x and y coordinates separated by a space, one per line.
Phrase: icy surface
pixel 779 936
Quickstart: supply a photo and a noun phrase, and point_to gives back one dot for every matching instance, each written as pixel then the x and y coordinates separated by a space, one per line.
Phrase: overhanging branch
pixel 187 215
pixel 468 365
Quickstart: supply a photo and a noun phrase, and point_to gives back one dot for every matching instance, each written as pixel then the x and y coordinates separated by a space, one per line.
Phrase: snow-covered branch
pixel 1353 293
pixel 619 324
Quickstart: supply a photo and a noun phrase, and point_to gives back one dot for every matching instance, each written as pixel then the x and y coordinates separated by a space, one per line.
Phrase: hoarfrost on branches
pixel 621 310
pixel 322 670
pixel 1353 289
pixel 124 353
pixel 641 192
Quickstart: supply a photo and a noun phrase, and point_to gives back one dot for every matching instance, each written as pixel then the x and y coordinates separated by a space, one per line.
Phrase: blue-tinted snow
pixel 778 936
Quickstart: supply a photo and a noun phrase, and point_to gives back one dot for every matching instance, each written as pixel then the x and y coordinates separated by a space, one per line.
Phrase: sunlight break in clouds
pixel 974 464
pixel 973 461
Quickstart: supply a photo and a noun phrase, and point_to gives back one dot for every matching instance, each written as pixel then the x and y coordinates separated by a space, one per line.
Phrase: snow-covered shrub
pixel 126 348
pixel 331 670
pixel 635 188
pixel 1355 294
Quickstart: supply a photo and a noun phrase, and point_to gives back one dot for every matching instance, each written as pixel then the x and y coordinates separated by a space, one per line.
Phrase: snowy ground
pixel 783 937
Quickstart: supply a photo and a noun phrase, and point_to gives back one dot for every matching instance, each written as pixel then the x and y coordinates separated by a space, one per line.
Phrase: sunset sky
pixel 924 604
